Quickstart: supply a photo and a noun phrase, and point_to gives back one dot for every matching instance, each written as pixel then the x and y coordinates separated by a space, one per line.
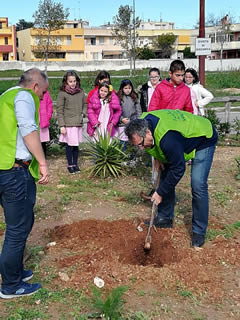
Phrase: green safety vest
pixel 8 132
pixel 189 125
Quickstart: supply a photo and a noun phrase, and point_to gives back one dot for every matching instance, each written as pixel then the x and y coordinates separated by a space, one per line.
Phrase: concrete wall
pixel 163 65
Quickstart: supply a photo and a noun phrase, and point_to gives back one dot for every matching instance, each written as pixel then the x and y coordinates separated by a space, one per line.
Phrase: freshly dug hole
pixel 102 240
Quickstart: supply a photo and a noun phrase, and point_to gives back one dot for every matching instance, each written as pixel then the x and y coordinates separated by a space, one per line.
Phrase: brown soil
pixel 114 251
pixel 191 283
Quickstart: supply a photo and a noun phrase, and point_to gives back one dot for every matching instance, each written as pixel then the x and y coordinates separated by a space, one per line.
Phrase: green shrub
pixel 110 306
pixel 106 155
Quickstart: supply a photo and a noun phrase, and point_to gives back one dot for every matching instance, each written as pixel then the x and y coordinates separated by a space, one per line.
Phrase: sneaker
pixel 25 289
pixel 71 170
pixel 197 240
pixel 76 169
pixel 160 223
pixel 27 275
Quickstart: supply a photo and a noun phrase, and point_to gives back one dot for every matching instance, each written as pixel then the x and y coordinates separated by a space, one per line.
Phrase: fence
pixel 227 113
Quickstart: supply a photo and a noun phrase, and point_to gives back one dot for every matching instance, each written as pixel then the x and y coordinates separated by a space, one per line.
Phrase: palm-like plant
pixel 107 156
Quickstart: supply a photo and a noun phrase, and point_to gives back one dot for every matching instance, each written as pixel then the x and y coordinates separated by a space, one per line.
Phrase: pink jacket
pixel 45 110
pixel 166 96
pixel 94 108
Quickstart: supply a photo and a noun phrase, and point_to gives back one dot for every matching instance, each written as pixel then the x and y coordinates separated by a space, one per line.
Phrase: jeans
pixel 200 169
pixel 17 197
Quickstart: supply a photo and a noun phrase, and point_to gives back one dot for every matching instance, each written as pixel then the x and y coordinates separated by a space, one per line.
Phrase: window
pixel 69 40
pixel 5 57
pixel 78 36
pixel 0 25
pixel 6 40
pixel 93 41
pixel 95 55
pixel 101 40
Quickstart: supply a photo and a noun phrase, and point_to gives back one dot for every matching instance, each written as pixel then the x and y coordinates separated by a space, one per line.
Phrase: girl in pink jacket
pixel 45 114
pixel 104 111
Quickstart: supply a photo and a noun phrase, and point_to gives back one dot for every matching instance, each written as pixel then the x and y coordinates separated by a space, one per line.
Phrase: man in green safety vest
pixel 173 137
pixel 22 162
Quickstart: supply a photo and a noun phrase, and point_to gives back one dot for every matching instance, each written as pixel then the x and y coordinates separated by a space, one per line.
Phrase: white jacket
pixel 203 96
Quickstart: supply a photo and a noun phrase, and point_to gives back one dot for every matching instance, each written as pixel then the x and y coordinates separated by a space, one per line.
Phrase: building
pixel 156 25
pixel 8 50
pixel 100 43
pixel 225 40
pixel 67 44
pixel 146 37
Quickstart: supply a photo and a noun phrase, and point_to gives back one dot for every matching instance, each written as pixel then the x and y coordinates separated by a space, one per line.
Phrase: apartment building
pixel 224 38
pixel 100 43
pixel 8 50
pixel 146 37
pixel 67 44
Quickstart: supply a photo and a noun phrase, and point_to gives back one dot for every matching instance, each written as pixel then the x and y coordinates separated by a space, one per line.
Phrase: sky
pixel 184 13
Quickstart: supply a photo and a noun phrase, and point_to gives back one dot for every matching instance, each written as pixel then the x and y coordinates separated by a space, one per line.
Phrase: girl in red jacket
pixel 45 114
pixel 104 111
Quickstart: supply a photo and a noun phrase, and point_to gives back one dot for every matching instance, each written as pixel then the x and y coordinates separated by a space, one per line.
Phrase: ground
pixel 87 227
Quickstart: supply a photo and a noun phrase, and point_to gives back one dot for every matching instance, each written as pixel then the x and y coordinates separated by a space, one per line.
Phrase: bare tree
pixel 49 17
pixel 124 30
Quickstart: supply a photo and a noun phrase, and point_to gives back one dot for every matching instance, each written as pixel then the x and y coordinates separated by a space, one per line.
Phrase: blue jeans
pixel 200 169
pixel 17 197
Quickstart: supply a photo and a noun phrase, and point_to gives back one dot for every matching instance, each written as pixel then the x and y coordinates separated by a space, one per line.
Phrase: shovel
pixel 148 239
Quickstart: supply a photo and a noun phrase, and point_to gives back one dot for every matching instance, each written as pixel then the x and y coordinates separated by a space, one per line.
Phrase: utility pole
pixel 134 39
pixel 202 35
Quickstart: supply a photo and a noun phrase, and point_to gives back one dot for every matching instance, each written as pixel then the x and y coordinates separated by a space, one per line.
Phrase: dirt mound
pixel 115 252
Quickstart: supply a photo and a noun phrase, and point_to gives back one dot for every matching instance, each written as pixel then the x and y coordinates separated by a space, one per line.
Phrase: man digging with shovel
pixel 174 137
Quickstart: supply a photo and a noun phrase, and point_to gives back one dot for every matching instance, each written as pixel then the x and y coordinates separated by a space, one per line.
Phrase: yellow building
pixel 8 50
pixel 66 44
pixel 147 37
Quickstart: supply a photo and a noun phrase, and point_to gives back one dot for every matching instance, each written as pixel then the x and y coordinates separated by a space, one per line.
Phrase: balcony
pixel 6 48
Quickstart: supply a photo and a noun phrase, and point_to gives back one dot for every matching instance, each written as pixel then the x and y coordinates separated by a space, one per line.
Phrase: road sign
pixel 203 46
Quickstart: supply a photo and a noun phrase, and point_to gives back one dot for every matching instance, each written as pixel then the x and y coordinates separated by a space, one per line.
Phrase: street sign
pixel 203 46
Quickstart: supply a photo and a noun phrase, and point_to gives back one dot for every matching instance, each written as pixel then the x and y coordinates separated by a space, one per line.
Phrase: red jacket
pixel 166 96
pixel 45 110
pixel 94 108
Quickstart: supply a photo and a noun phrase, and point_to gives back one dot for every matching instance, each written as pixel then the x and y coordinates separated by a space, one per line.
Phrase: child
pixel 104 111
pixel 147 89
pixel 202 95
pixel 103 76
pixel 172 93
pixel 131 108
pixel 71 108
pixel 45 114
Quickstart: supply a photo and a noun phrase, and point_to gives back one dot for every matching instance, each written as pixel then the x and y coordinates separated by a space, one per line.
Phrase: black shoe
pixel 76 169
pixel 151 193
pixel 148 196
pixel 161 223
pixel 71 170
pixel 197 240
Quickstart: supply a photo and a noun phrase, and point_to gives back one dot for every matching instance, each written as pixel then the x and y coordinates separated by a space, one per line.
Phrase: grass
pixel 214 81
pixel 227 232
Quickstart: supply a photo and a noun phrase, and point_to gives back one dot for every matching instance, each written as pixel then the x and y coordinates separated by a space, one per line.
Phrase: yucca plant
pixel 106 155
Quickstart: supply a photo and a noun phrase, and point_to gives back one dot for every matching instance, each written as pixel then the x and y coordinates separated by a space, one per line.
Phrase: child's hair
pixel 177 65
pixel 133 93
pixel 154 70
pixel 102 75
pixel 193 73
pixel 70 74
pixel 109 87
